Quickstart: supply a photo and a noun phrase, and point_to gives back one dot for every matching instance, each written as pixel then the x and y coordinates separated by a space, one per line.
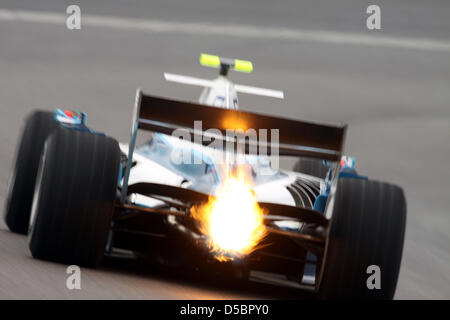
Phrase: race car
pixel 194 194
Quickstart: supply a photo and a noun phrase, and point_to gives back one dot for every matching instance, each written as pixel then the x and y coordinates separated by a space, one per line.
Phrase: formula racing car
pixel 205 188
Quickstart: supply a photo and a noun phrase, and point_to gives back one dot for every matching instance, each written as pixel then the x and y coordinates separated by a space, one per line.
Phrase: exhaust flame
pixel 232 219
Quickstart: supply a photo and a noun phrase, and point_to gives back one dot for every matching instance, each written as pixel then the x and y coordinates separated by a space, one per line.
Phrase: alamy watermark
pixel 74 279
pixel 234 146
pixel 73 21
pixel 374 280
pixel 373 21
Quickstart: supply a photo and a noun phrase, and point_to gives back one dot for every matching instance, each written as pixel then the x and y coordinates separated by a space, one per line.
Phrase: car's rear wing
pixel 295 138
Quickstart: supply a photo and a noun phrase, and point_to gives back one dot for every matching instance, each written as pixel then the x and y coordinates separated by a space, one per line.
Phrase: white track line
pixel 243 31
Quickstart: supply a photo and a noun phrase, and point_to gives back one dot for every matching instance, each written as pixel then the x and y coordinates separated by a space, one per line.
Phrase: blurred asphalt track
pixel 391 86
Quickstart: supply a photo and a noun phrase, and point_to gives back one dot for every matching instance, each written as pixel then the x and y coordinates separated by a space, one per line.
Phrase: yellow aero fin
pixel 243 66
pixel 209 60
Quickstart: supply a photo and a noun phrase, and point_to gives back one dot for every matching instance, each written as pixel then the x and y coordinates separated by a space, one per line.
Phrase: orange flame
pixel 232 220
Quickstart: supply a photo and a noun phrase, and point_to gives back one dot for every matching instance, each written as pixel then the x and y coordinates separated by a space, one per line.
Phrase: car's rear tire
pixel 74 197
pixel 312 167
pixel 367 228
pixel 38 126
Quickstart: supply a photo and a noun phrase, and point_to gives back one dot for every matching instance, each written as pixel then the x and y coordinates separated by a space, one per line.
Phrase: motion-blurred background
pixel 392 86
